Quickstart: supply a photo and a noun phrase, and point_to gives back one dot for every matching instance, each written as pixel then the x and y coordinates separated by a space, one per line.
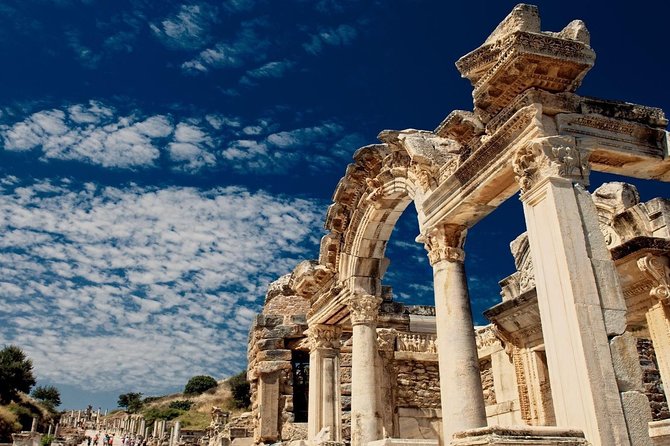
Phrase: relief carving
pixel 552 156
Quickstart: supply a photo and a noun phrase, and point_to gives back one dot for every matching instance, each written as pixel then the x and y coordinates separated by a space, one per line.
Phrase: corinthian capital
pixel 364 309
pixel 324 336
pixel 445 243
pixel 656 267
pixel 552 156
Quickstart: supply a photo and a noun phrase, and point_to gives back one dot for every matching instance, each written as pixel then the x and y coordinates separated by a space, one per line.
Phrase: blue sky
pixel 162 161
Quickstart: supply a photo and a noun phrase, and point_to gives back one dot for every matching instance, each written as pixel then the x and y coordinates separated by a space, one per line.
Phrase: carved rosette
pixel 445 243
pixel 656 267
pixel 553 156
pixel 324 336
pixel 364 309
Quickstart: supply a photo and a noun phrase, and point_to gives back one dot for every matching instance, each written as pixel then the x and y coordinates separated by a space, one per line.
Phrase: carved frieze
pixel 416 342
pixel 364 309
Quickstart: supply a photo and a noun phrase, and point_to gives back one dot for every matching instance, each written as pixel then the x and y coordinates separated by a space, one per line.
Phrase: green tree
pixel 240 388
pixel 16 373
pixel 199 384
pixel 131 401
pixel 181 405
pixel 49 395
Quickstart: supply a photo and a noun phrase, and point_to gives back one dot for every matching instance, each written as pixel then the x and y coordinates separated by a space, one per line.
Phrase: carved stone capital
pixel 386 339
pixel 324 336
pixel 656 267
pixel 552 156
pixel 445 243
pixel 364 309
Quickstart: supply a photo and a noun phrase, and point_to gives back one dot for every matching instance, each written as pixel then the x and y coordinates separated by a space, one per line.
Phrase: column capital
pixel 386 339
pixel 550 156
pixel 445 242
pixel 364 309
pixel 658 270
pixel 323 336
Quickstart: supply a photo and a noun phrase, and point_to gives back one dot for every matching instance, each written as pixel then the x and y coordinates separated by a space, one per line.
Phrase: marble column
pixel 325 407
pixel 461 394
pixel 578 291
pixel 176 433
pixel 658 316
pixel 365 415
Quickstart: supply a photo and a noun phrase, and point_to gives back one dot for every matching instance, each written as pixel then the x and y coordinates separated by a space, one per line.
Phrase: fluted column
pixel 578 291
pixel 658 316
pixel 325 408
pixel 461 393
pixel 365 415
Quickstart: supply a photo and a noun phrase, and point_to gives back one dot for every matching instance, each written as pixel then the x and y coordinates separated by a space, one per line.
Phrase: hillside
pixel 18 416
pixel 198 414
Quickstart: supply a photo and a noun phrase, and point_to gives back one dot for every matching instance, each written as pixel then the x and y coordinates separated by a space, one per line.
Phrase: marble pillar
pixel 461 394
pixel 176 433
pixel 657 268
pixel 365 415
pixel 325 407
pixel 578 291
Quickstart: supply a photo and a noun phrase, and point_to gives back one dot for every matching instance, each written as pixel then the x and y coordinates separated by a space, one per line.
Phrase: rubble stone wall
pixel 418 384
pixel 653 387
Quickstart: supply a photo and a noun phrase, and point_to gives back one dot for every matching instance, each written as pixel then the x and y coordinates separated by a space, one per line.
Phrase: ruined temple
pixel 578 348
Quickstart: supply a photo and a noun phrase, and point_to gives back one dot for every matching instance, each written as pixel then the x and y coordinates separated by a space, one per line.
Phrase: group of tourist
pixel 108 440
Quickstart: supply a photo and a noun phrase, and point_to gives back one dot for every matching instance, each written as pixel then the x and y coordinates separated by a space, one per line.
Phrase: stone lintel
pixel 640 245
pixel 415 356
pixel 519 436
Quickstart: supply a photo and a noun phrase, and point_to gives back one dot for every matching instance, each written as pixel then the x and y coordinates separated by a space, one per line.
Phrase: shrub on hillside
pixel 199 384
pixel 240 388
pixel 161 413
pixel 181 405
pixel 9 423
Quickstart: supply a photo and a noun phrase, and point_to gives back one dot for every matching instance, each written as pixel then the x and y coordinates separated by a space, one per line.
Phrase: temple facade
pixel 577 350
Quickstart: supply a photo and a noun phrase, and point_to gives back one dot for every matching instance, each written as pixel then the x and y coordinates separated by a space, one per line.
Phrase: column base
pixel 520 436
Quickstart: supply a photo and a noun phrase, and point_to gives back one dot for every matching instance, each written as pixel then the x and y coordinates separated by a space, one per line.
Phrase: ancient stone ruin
pixel 578 348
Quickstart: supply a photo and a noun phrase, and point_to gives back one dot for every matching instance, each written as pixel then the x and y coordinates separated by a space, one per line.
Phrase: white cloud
pixel 246 46
pixel 152 280
pixel 98 134
pixel 340 36
pixel 274 69
pixel 188 29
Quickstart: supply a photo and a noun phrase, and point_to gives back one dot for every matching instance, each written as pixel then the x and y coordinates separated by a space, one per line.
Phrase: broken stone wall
pixel 651 378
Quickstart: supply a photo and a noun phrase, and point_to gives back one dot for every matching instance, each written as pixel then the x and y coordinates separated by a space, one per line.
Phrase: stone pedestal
pixel 461 393
pixel 520 436
pixel 578 295
pixel 26 439
pixel 365 415
pixel 325 408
